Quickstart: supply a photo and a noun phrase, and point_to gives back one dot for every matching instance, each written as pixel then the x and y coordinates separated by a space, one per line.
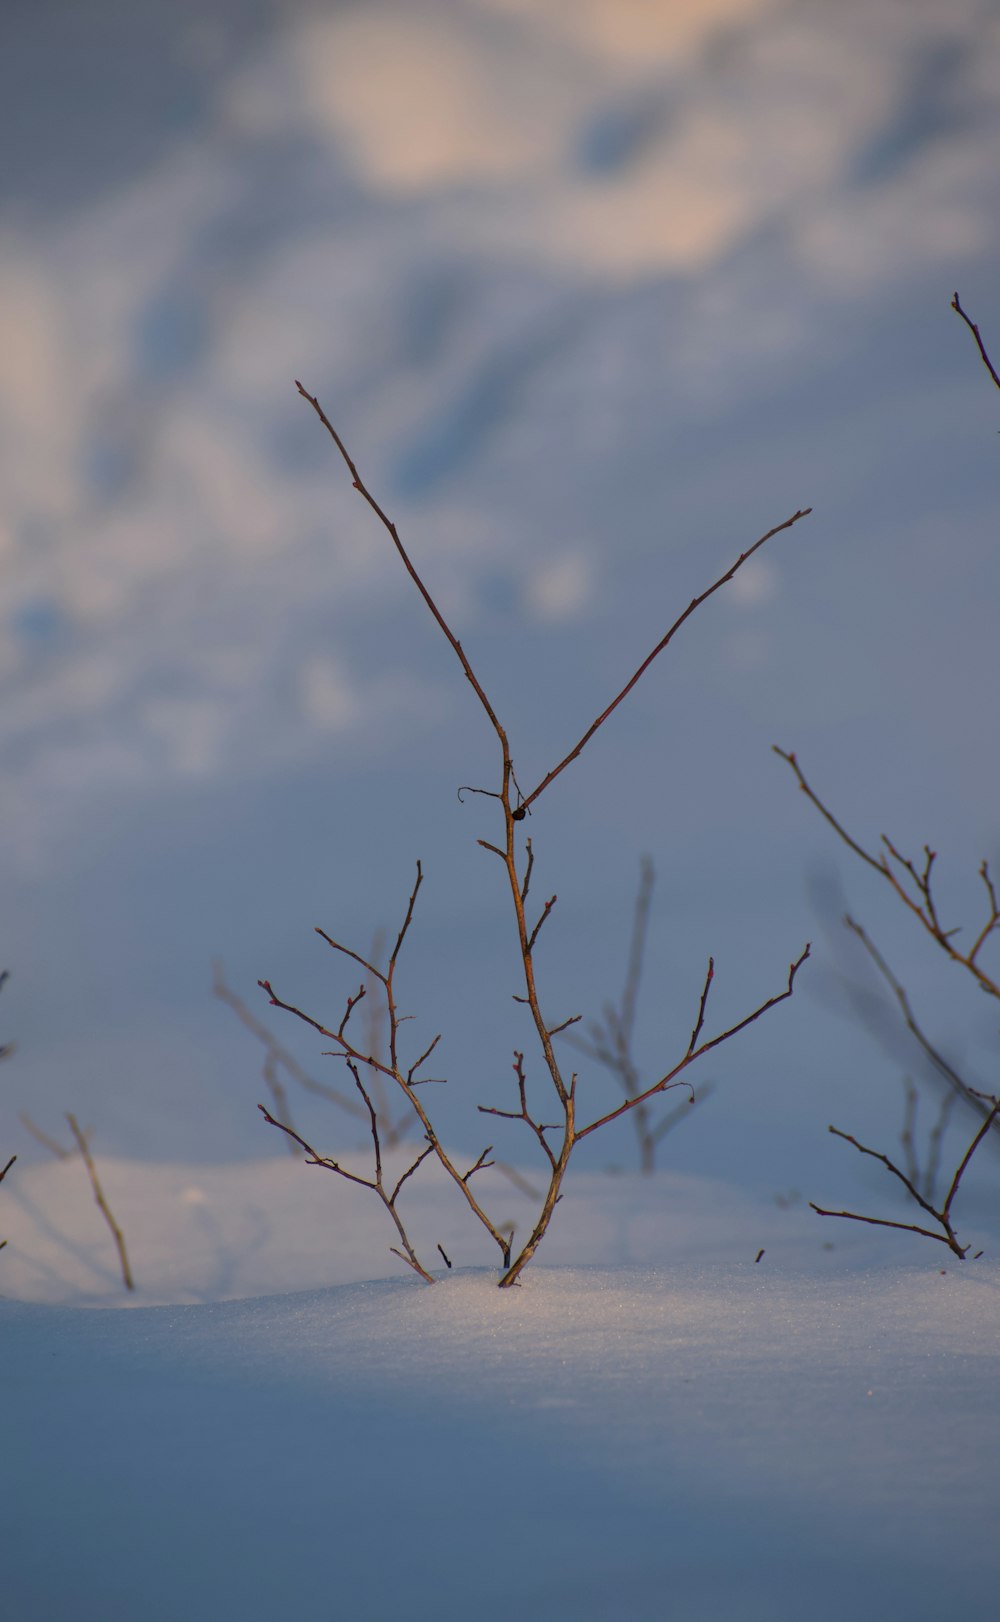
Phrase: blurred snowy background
pixel 597 291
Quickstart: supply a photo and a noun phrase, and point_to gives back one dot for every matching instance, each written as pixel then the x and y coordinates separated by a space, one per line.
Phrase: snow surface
pixel 668 1431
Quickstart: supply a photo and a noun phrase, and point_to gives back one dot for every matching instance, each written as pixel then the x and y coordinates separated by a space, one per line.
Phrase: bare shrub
pixel 555 1138
pixel 913 882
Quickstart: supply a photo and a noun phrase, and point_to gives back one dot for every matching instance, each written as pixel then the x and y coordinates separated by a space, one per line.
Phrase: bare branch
pixel 970 1151
pixel 407 921
pixel 524 1114
pixel 346 951
pixel 556 1030
pixel 276 1050
pixel 422 1156
pixel 481 1163
pixel 922 905
pixel 529 864
pixel 958 1085
pixel 352 1003
pixel 415 1066
pixel 940 1215
pixel 532 938
pixel 637 948
pixel 875 1154
pixel 692 1054
pixel 695 603
pixel 956 306
pixel 883 1222
pixel 7 1167
pixel 411 571
pixel 314 1158
pixel 51 1144
pixel 101 1201
pixel 703 1003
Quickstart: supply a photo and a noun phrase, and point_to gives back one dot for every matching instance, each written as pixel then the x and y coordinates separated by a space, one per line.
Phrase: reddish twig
pixel 956 306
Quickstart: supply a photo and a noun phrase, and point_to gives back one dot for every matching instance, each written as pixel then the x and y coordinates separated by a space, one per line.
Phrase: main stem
pixel 565 1095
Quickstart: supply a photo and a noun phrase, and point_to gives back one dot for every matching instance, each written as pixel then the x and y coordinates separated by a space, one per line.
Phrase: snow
pixel 655 1426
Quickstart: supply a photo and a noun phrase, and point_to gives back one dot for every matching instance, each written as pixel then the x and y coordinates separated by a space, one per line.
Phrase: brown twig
pixel 697 1052
pixel 941 1215
pixel 276 1052
pixel 913 885
pixel 664 642
pixel 376 1183
pixel 101 1201
pixel 956 306
pixel 391 1066
pixel 442 623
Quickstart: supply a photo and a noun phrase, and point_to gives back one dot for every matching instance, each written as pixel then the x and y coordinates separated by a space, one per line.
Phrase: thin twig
pixel 947 1071
pixel 940 1215
pixel 103 1206
pixel 922 905
pixel 51 1144
pixel 956 306
pixel 664 642
pixel 694 1053
pixel 276 1050
pixel 442 623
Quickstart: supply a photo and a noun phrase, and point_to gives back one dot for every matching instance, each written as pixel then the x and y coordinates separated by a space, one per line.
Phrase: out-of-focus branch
pixel 959 1087
pixel 47 1142
pixel 609 1039
pixel 913 885
pixel 101 1200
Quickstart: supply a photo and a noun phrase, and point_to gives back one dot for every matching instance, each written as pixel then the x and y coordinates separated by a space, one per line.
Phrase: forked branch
pixel 376 1183
pixel 940 1214
pixel 697 1050
pixel 913 883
